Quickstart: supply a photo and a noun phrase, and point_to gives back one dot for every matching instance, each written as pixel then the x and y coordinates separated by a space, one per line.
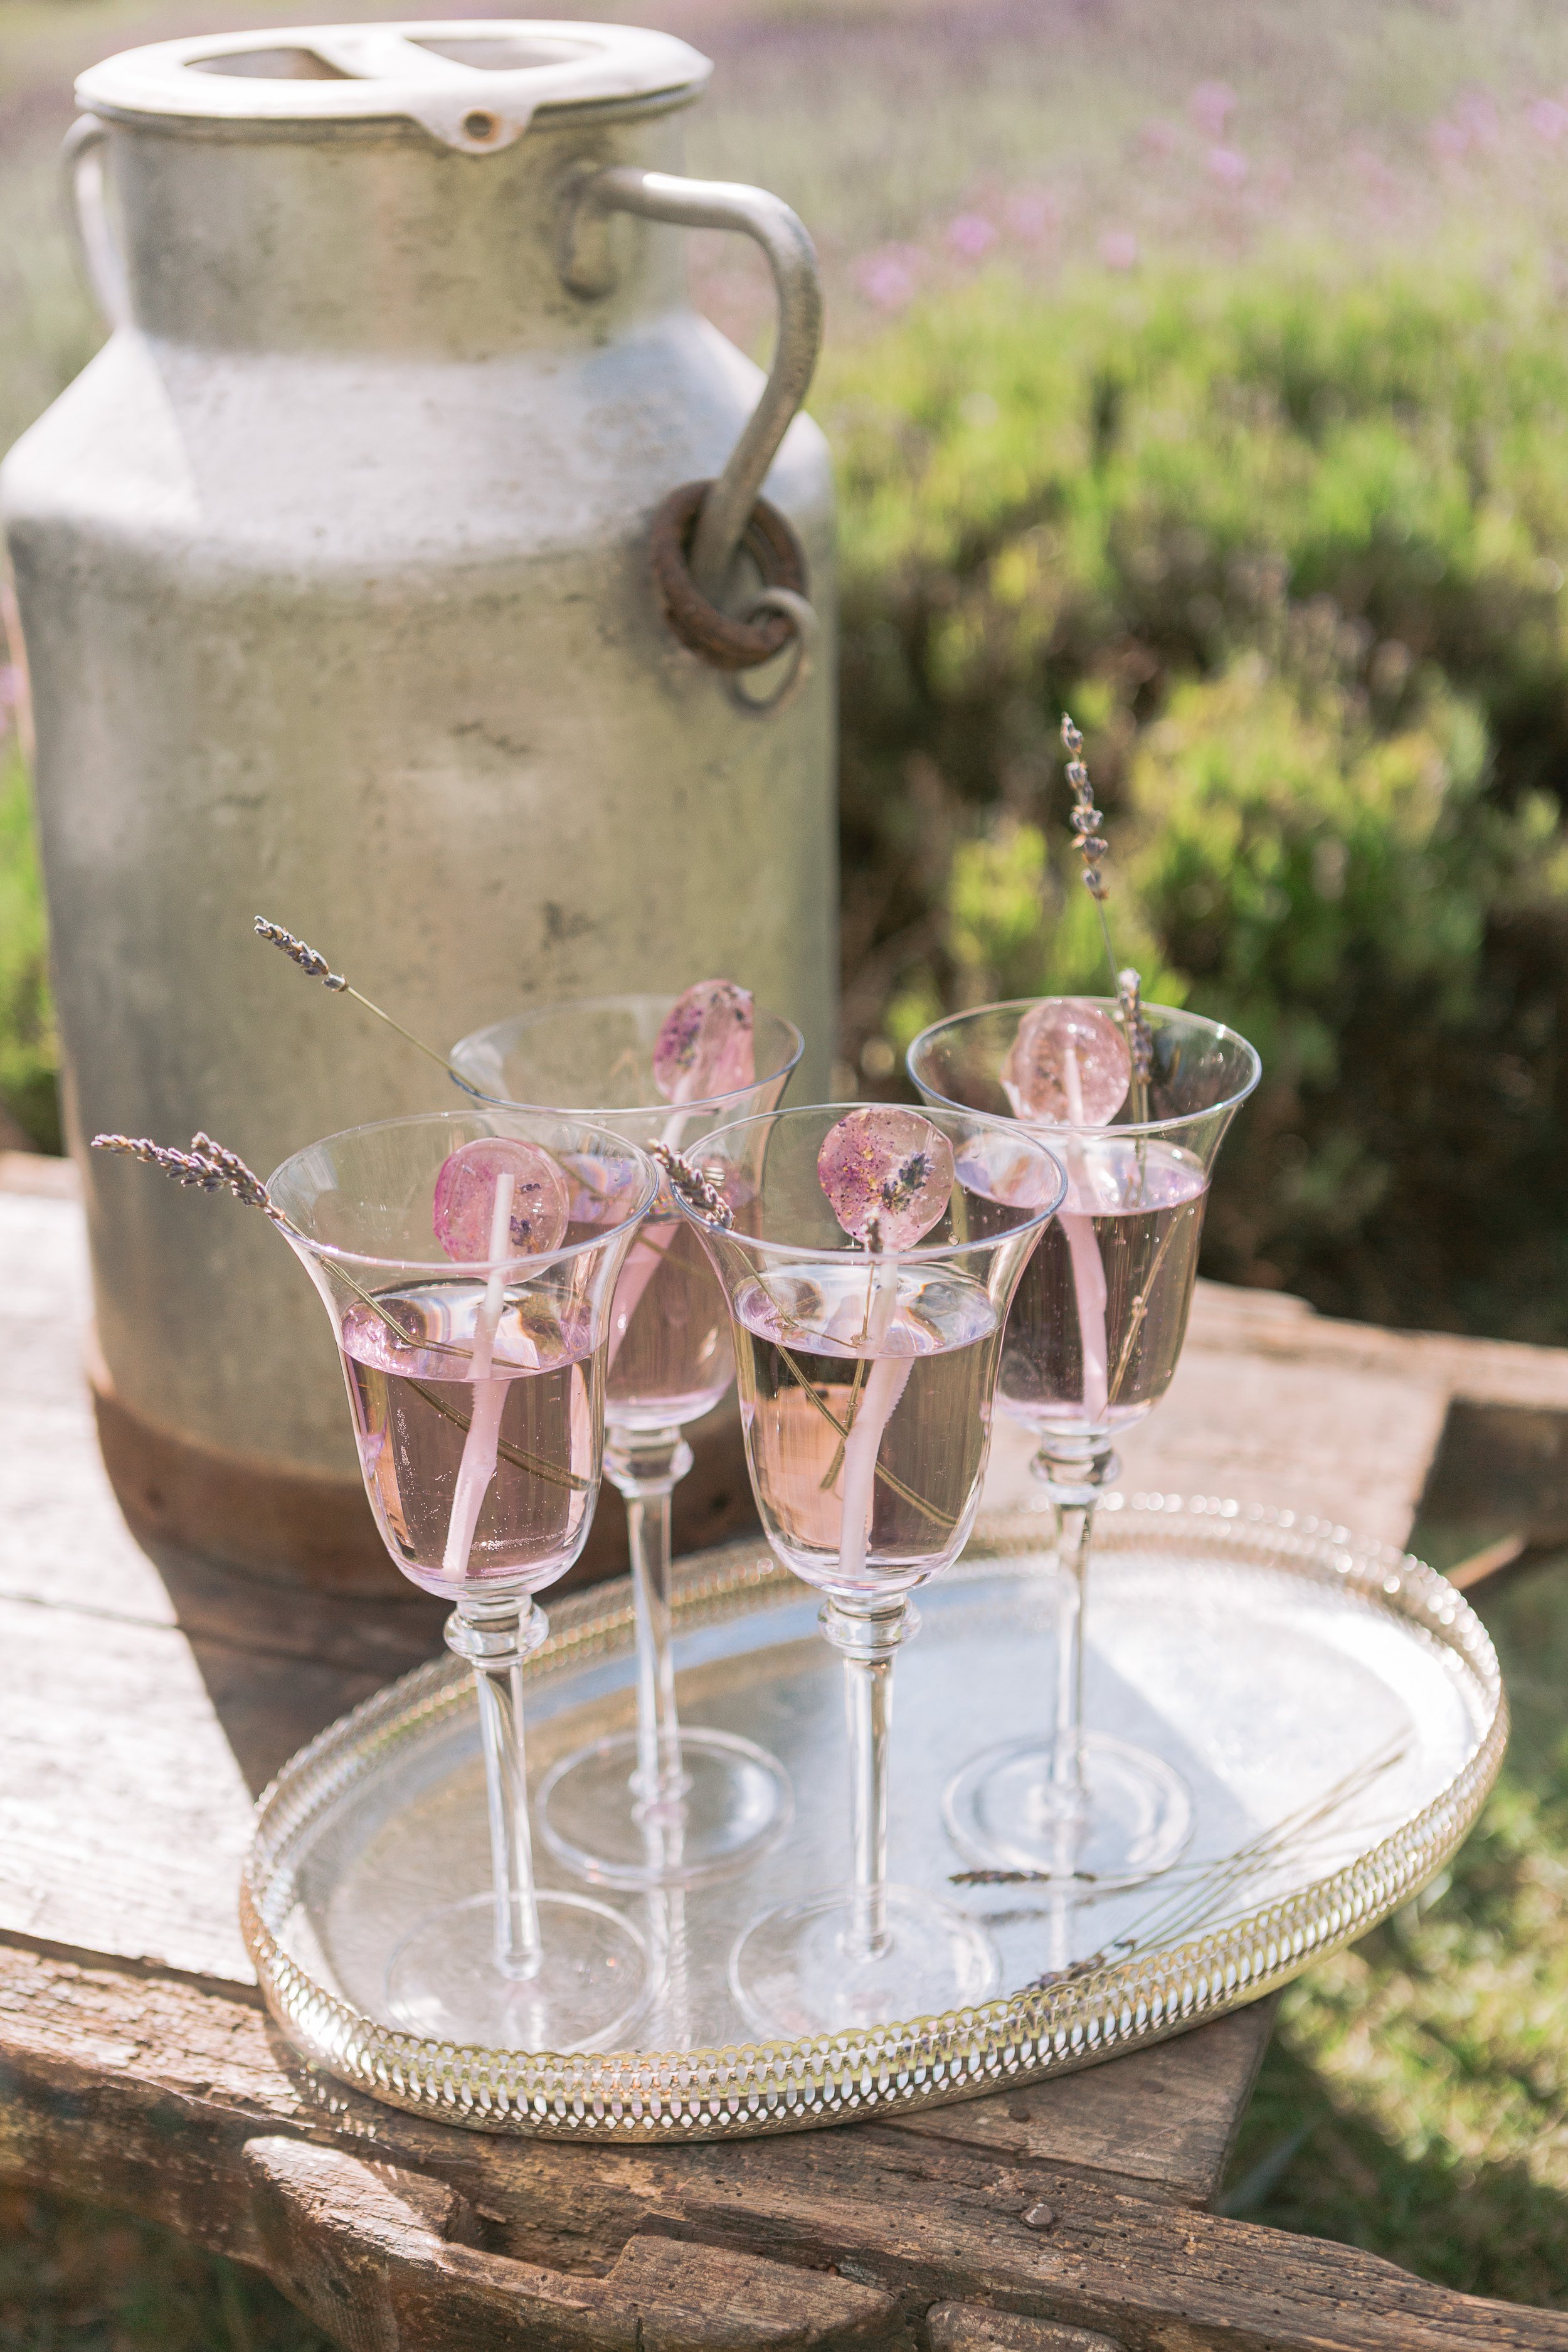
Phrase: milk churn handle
pixel 81 161
pixel 722 203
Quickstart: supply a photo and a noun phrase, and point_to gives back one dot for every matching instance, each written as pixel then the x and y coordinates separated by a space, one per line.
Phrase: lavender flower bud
pixel 314 966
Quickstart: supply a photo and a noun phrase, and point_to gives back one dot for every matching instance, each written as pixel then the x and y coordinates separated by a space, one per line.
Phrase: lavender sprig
pixel 1126 984
pixel 1085 821
pixel 207 1166
pixel 1197 1898
pixel 315 966
pixel 1140 1040
pixel 687 1182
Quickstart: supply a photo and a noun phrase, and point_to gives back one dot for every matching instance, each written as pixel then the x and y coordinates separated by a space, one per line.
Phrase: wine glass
pixel 1091 1345
pixel 866 1369
pixel 471 1295
pixel 666 1805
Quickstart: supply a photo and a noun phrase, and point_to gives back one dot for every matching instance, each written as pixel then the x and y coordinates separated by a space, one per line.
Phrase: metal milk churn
pixel 379 576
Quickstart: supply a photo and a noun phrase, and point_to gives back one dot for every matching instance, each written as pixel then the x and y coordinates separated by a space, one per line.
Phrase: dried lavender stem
pixel 209 1168
pixel 897 1484
pixel 1086 822
pixel 687 1182
pixel 316 967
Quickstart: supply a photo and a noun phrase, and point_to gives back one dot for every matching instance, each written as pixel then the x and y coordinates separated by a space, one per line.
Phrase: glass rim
pixel 620 1002
pixel 919 1253
pixel 1159 1126
pixel 448 1118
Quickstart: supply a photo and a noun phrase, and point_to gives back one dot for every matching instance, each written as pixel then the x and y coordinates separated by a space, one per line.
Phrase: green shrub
pixel 1291 552
pixel 29 1052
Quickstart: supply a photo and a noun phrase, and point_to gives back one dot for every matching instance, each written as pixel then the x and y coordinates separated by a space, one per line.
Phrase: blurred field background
pixel 1201 365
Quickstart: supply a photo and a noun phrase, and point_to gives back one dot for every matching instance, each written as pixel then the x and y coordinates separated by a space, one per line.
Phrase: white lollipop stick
pixel 1087 1266
pixel 481 1447
pixel 648 1255
pixel 885 1385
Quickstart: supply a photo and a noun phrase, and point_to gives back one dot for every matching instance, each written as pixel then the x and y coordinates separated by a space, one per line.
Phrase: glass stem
pixel 646 1465
pixel 866 1639
pixel 1075 1483
pixel 1075 1527
pixel 496 1641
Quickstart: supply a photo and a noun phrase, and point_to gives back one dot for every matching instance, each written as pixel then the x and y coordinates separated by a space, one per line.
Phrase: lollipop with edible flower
pixel 470 1301
pixel 869 1255
pixel 662 1805
pixel 1136 1100
pixel 668 1804
pixel 707 1044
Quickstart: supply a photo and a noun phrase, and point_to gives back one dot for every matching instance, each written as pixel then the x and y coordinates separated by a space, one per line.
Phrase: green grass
pixel 1415 2099
pixel 73 2279
pixel 28 1052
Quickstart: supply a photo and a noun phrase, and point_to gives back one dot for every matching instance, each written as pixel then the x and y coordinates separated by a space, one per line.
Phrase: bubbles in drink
pixel 886 1163
pixel 1069 1064
pixel 706 1046
pixel 1098 1318
pixel 867 1454
pixel 414 1403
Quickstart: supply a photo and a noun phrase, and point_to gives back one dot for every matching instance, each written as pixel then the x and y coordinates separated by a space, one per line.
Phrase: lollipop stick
pixel 1087 1266
pixel 477 1466
pixel 887 1380
pixel 867 1638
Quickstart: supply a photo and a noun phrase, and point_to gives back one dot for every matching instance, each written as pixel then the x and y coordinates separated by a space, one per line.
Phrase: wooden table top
pixel 147 1703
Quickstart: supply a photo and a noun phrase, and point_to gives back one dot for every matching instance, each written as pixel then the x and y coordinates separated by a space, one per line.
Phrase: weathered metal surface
pixel 334 580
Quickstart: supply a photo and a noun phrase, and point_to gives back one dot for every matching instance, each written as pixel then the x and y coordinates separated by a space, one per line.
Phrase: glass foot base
pixel 737 1803
pixel 592 1983
pixel 792 1972
pixel 1003 1813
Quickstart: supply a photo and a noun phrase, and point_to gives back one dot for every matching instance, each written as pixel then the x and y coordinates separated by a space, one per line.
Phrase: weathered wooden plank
pixel 62 1539
pixel 1326 1433
pixel 1063 2246
pixel 272 1664
pixel 1162 2121
pixel 1065 2204
pixel 123 1815
pixel 150 2095
pixel 394 2255
pixel 38 1174
pixel 969 2328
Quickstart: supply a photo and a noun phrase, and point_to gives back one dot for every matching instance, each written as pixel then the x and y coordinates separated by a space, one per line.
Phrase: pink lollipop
pixel 1069 1064
pixel 465 1191
pixel 891 1165
pixel 705 1046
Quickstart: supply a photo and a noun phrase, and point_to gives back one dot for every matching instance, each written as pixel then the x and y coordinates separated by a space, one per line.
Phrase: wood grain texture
pixel 969 2328
pixel 385 2258
pixel 1162 2121
pixel 151 2095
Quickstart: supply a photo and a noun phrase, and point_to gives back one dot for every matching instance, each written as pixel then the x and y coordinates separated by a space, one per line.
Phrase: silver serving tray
pixel 1336 1709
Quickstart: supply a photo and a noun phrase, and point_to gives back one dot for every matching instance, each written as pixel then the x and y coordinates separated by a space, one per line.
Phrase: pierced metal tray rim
pixel 744 2090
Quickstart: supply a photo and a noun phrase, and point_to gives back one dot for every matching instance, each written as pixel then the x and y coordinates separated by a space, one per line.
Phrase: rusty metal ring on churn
pixel 778 555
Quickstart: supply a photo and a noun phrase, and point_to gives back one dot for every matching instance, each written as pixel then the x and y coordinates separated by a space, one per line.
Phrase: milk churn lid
pixel 475 83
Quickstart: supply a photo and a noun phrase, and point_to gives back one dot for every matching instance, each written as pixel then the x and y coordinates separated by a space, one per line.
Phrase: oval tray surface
pixel 1335 1709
